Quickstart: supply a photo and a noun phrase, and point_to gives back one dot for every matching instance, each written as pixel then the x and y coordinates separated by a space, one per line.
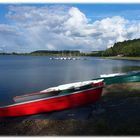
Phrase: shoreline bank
pixel 122 58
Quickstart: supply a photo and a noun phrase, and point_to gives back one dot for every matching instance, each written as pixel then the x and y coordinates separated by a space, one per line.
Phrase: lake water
pixel 25 74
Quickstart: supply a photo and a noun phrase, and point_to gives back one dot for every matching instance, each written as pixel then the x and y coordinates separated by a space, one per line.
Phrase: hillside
pixel 125 48
pixel 56 53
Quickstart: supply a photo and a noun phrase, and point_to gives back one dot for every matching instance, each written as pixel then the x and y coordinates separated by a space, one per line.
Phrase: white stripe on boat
pixel 71 85
pixel 119 74
pixel 111 75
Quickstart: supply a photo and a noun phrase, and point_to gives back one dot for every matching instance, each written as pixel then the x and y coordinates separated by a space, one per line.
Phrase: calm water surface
pixel 24 74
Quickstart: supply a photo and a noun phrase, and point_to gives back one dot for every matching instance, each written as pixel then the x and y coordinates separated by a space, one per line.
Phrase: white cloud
pixel 50 47
pixel 62 27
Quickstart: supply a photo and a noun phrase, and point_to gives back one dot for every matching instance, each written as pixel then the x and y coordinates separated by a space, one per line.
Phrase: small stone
pixel 98 111
pixel 70 115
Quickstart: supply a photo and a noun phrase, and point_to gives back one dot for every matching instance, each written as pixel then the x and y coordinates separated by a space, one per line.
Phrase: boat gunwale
pixel 47 92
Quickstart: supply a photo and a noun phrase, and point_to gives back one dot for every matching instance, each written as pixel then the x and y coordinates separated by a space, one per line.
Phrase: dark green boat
pixel 109 79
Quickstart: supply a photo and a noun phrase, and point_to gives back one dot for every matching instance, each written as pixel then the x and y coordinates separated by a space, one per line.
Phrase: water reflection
pixel 126 68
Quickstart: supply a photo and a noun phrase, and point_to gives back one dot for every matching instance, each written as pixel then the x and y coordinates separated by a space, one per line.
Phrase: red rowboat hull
pixel 52 104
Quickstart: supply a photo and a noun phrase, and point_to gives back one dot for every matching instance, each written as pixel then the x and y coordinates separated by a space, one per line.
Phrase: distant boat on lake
pixel 67 58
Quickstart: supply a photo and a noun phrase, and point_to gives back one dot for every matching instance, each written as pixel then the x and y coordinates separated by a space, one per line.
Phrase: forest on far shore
pixel 125 48
pixel 129 48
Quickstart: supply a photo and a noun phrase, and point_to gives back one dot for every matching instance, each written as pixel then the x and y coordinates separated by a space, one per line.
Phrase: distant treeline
pixel 125 48
pixel 48 53
pixel 13 53
pixel 93 53
pixel 57 53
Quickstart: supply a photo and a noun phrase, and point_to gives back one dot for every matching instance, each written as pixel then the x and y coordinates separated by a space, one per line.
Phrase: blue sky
pixel 94 11
pixel 86 27
pixel 106 10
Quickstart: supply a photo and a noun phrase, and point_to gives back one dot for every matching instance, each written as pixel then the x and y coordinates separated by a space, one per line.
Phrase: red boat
pixel 55 102
pixel 59 90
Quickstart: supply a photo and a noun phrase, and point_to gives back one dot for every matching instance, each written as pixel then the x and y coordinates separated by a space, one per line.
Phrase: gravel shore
pixel 116 113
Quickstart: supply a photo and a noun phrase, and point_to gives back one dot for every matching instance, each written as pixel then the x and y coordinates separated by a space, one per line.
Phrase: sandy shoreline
pixel 122 58
pixel 117 113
